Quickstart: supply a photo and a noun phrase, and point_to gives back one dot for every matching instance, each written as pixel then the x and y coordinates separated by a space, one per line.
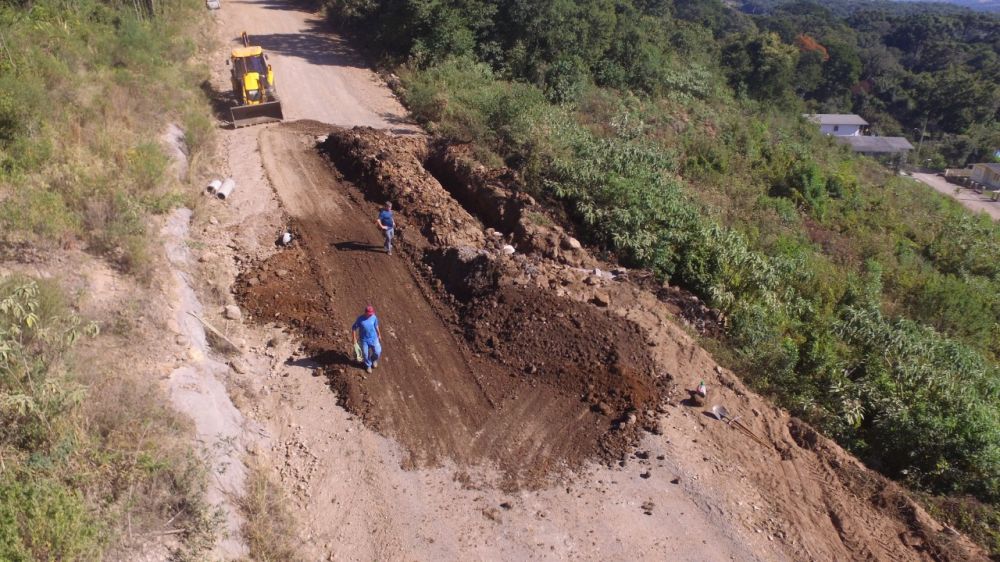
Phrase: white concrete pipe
pixel 227 187
pixel 213 186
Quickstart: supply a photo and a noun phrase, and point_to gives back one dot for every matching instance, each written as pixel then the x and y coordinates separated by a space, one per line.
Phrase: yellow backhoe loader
pixel 253 87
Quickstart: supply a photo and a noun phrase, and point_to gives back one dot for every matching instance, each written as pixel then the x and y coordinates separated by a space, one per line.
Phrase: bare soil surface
pixel 528 406
pixel 512 398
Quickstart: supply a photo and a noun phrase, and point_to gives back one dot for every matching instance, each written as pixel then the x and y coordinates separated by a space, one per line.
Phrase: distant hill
pixel 845 8
pixel 979 5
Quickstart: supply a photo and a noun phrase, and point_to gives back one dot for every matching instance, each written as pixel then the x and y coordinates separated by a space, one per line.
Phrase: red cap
pixel 369 310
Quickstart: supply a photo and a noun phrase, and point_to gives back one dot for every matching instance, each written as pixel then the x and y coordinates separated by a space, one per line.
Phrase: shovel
pixel 721 413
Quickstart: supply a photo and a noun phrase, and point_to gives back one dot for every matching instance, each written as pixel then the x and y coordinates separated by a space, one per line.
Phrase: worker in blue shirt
pixel 366 326
pixel 388 226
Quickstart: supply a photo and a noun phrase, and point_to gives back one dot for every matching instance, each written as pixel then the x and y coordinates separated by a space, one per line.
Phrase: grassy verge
pixel 94 464
pixel 86 88
pixel 93 461
pixel 269 528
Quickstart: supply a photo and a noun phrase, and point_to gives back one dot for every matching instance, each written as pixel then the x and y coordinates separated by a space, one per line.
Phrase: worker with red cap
pixel 366 326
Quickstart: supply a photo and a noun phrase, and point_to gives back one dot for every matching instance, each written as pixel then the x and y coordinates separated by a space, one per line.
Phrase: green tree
pixel 761 65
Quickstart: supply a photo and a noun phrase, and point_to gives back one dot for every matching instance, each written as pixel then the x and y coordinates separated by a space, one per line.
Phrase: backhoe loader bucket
pixel 246 115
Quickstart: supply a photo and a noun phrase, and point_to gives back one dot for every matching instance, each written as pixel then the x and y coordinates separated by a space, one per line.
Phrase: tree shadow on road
pixel 316 45
pixel 309 6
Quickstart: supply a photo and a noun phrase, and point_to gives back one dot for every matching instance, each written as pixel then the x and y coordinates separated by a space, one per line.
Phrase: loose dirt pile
pixel 522 380
pixel 567 345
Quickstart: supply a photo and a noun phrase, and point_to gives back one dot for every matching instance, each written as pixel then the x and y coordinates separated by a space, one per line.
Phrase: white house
pixel 838 124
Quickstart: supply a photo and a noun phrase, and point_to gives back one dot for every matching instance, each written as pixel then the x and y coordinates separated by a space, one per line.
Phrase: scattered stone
pixel 213 220
pixel 181 340
pixel 505 505
pixel 239 366
pixel 647 507
pixel 508 249
pixel 281 273
pixel 233 312
pixel 718 369
pixel 602 299
pixel 570 243
pixel 645 475
pixel 492 513
pixel 676 480
pixel 604 409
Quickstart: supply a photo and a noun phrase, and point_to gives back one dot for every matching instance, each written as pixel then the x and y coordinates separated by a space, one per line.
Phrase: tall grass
pixel 85 457
pixel 85 89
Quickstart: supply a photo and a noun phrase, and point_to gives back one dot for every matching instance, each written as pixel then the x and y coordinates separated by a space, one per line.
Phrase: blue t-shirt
pixel 385 217
pixel 367 327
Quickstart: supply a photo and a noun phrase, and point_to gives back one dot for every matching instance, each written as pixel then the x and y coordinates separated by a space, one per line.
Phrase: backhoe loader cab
pixel 253 86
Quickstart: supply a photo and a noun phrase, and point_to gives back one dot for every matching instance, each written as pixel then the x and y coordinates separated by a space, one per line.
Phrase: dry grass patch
pixel 269 529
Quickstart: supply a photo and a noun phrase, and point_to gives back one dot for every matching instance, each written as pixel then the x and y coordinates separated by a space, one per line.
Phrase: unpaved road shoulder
pixel 975 202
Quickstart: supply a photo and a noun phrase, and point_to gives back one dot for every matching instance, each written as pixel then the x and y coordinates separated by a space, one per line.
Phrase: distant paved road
pixel 972 200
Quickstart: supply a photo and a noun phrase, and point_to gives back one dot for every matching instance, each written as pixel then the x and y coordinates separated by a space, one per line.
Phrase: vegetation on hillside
pixel 667 132
pixel 92 459
pixel 931 75
pixel 84 87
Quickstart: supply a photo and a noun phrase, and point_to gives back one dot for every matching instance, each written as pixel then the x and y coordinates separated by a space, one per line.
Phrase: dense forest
pixel 930 75
pixel 669 134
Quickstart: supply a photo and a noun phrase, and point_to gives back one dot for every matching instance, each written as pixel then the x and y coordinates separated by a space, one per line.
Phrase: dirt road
pixel 453 451
pixel 975 202
pixel 318 76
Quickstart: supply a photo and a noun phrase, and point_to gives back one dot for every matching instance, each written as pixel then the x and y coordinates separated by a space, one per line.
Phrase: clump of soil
pixel 281 290
pixel 568 345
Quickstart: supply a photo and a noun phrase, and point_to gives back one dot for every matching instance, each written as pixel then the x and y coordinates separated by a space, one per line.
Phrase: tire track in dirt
pixel 342 247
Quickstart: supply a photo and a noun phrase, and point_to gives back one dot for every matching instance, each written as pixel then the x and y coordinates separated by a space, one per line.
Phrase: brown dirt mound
pixel 568 345
pixel 443 396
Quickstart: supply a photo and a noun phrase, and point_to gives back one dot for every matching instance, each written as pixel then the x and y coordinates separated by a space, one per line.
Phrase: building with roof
pixel 987 175
pixel 838 124
pixel 875 146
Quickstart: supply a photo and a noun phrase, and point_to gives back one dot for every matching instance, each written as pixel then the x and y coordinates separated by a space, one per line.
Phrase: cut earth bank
pixel 528 404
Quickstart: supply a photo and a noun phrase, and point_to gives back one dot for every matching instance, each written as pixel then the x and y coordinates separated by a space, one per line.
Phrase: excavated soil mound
pixel 477 371
pixel 568 345
pixel 544 385
pixel 547 397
